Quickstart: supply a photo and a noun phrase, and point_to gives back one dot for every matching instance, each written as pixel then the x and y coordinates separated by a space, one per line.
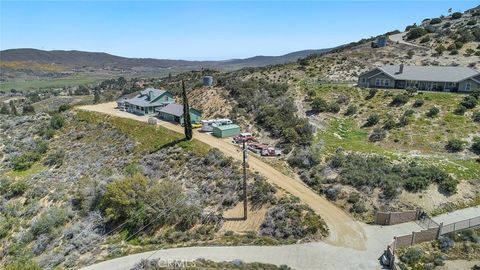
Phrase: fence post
pixel 389 217
pixel 439 232
pixel 454 226
pixel 413 239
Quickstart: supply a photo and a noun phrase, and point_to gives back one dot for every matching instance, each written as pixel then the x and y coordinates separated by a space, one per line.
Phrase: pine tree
pixel 186 114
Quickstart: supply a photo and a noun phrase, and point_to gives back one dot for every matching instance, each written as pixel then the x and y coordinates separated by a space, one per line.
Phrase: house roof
pixel 173 109
pixel 429 73
pixel 227 127
pixel 147 97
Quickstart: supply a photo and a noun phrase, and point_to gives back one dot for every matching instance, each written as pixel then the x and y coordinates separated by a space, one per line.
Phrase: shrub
pixel 371 93
pixel 475 148
pixel 440 49
pixel 472 22
pixel 49 220
pixel 55 159
pixel 372 120
pixel 418 103
pixel 476 117
pixel 433 112
pixel 403 121
pixel 57 121
pixel 332 193
pixel 456 15
pixel 22 265
pixel 408 113
pixel 411 53
pixel 64 107
pixel 469 102
pixel 412 255
pixel 454 52
pixel 358 207
pixel 319 105
pixel 261 192
pixel 425 39
pixel 415 33
pixel 304 157
pixel 389 123
pixel 435 21
pixel 25 161
pixel 333 108
pixel 399 99
pixel 351 110
pixel 445 243
pixel 460 110
pixel 353 197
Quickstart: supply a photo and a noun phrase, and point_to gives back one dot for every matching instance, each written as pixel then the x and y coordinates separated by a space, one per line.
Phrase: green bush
pixel 433 112
pixel 418 103
pixel 425 39
pixel 377 135
pixel 22 265
pixel 469 102
pixel 375 171
pixel 372 120
pixel 456 15
pixel 475 148
pixel 476 117
pixel 25 161
pixel 261 192
pixel 435 21
pixel 400 99
pixel 389 123
pixel 57 121
pixel 412 255
pixel 460 110
pixel 455 145
pixel 351 110
pixel 64 107
pixel 403 121
pixel 415 33
pixel 371 93
pixel 49 220
pixel 472 22
pixel 55 159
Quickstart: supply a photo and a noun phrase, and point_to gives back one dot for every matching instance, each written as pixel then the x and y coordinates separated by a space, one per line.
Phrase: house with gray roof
pixel 426 78
pixel 146 102
pixel 174 113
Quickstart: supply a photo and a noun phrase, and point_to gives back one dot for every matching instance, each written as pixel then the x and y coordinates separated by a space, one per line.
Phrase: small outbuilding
pixel 174 113
pixel 226 131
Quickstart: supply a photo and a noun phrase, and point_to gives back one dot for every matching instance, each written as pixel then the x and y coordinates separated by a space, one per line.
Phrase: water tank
pixel 207 81
pixel 382 41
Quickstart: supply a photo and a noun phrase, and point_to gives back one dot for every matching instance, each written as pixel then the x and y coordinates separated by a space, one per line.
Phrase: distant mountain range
pixel 105 60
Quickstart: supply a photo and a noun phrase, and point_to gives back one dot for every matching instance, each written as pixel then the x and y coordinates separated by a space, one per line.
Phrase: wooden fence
pixel 432 232
pixel 392 218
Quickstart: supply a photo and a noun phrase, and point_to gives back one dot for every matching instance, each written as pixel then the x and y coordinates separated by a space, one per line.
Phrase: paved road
pixel 344 230
pixel 317 255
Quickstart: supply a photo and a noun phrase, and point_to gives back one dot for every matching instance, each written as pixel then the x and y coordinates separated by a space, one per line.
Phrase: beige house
pixel 426 78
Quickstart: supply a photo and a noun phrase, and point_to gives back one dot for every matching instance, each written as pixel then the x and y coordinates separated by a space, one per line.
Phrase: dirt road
pixel 344 231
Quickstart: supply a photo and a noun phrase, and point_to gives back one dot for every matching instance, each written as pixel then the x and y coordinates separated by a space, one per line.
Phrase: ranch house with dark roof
pixel 426 78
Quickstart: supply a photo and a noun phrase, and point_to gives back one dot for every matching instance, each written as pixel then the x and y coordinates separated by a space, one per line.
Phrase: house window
pixel 364 80
pixel 386 82
pixel 468 86
pixel 166 98
pixel 377 82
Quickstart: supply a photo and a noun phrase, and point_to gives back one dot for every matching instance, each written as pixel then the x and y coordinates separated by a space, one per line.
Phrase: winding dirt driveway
pixel 344 230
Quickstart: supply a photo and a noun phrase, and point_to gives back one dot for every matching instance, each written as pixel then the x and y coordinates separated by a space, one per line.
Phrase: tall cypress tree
pixel 187 123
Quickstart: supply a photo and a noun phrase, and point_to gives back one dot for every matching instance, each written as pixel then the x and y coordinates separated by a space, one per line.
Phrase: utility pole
pixel 245 208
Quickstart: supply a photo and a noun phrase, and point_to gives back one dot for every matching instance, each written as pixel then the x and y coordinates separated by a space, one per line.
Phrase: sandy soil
pixel 458 265
pixel 344 230
pixel 253 222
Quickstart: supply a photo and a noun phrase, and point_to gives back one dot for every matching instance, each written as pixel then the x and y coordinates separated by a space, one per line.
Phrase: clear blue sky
pixel 205 30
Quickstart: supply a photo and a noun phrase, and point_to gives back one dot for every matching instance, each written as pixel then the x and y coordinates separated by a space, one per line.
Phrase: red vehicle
pixel 247 137
pixel 271 152
pixel 257 147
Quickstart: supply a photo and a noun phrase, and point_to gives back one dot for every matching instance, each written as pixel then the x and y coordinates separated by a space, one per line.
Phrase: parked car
pixel 271 152
pixel 257 147
pixel 247 137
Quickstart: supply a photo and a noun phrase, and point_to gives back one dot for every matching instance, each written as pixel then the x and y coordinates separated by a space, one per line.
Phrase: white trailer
pixel 207 125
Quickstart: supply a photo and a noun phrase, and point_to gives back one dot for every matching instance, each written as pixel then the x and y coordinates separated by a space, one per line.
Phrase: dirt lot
pixel 344 230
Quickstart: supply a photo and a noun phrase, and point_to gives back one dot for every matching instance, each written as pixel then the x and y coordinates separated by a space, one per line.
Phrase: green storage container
pixel 226 131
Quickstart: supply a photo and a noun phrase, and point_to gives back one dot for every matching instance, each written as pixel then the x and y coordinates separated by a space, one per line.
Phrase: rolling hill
pixel 104 60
